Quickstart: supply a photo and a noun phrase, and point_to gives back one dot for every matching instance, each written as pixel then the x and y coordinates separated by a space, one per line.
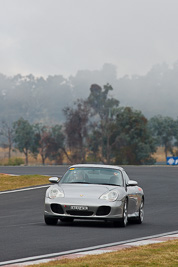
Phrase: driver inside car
pixel 78 176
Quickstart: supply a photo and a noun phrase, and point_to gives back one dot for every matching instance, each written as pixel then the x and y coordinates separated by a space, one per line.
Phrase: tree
pixel 50 142
pixel 7 131
pixel 163 129
pixel 24 137
pixel 57 146
pixel 132 142
pixel 42 140
pixel 104 110
pixel 93 144
pixel 76 130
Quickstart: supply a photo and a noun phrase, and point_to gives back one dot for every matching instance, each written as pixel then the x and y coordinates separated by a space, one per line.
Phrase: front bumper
pixel 97 209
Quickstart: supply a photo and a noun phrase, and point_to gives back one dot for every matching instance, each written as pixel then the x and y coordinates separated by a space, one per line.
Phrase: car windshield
pixel 92 175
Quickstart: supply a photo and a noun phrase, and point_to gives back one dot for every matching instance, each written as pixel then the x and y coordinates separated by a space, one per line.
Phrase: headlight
pixel 55 192
pixel 110 196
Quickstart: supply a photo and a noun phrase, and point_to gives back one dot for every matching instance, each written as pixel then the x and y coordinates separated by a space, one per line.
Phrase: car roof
pixel 97 166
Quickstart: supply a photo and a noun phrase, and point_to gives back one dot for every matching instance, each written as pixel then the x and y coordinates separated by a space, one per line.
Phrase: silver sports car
pixel 93 191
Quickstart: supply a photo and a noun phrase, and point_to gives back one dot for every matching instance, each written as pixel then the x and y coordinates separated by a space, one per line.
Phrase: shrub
pixel 15 162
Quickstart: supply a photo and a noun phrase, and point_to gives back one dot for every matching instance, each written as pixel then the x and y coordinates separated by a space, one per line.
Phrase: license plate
pixel 78 208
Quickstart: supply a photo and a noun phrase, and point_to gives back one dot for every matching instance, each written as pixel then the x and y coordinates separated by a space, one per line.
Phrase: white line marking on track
pixel 23 189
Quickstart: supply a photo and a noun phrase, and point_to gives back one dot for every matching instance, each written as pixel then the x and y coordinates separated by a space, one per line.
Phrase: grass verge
pixel 160 254
pixel 8 182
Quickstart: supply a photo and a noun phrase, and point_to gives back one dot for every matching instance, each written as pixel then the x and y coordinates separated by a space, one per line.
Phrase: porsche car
pixel 94 192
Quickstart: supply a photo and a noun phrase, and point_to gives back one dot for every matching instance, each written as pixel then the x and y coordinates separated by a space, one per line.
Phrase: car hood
pixel 84 190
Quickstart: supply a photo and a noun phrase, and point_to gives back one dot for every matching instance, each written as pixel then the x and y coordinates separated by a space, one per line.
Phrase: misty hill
pixel 42 100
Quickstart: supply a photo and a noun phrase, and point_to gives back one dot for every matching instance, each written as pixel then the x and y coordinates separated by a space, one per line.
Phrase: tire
pixel 50 221
pixel 123 222
pixel 140 217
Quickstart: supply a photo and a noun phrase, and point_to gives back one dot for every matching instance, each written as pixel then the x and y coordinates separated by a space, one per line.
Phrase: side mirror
pixel 54 180
pixel 132 183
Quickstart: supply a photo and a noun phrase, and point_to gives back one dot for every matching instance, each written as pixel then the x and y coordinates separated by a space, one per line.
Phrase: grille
pixel 57 208
pixel 80 212
pixel 103 210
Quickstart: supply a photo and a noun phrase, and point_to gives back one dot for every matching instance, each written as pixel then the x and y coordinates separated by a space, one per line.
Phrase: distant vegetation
pixel 82 121
pixel 39 99
pixel 95 129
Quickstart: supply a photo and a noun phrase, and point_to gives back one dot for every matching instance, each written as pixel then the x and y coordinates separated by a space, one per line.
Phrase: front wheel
pixel 140 217
pixel 50 221
pixel 123 222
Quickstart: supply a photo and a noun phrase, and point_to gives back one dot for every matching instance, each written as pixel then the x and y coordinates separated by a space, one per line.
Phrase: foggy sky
pixel 48 37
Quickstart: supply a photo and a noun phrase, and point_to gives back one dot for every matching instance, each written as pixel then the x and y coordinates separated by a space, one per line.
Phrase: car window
pixel 93 176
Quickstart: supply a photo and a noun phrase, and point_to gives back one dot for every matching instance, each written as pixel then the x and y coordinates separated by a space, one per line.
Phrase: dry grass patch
pixel 162 254
pixel 159 155
pixel 8 182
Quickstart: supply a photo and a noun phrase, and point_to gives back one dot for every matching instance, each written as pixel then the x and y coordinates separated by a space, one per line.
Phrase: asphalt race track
pixel 23 232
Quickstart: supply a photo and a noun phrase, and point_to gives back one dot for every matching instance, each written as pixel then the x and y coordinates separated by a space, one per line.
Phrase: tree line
pixel 38 99
pixel 95 129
